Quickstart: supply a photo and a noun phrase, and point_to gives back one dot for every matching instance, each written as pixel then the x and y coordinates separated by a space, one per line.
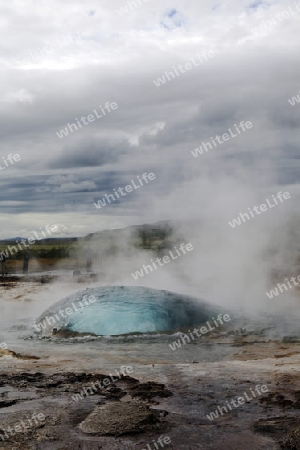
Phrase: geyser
pixel 117 310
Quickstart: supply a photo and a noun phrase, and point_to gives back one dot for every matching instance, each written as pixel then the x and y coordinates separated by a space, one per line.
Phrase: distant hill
pixel 154 237
pixel 158 227
pixel 145 231
pixel 152 228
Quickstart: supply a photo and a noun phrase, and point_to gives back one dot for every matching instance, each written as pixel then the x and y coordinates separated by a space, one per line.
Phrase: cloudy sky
pixel 60 60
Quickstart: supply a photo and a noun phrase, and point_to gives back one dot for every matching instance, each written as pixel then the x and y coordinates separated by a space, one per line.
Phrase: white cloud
pixel 21 96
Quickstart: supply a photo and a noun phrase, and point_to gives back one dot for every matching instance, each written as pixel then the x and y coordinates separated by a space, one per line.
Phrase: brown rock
pixel 118 418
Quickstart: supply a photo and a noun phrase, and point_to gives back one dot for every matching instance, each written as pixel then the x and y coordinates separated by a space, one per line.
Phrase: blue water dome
pixel 119 310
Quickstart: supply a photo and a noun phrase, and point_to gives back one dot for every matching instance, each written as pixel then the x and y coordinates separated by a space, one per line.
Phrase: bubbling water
pixel 119 310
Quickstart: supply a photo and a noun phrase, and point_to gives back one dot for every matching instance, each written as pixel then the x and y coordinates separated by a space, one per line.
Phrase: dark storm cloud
pixel 45 193
pixel 90 153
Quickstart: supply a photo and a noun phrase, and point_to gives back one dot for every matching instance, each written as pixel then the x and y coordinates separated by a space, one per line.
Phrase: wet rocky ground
pixel 122 408
pixel 133 412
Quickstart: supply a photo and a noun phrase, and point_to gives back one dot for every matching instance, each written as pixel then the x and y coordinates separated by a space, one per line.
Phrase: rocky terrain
pixel 159 400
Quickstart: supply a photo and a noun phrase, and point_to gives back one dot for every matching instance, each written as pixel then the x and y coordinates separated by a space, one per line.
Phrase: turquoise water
pixel 151 350
pixel 119 310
